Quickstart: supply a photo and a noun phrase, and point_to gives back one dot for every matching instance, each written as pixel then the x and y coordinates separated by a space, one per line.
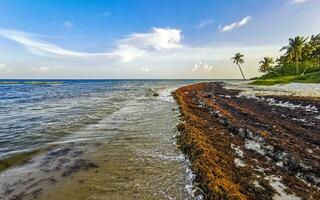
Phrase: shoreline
pixel 210 137
pixel 249 148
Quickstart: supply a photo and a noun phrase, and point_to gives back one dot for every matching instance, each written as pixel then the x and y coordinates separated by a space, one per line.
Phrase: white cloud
pixel 144 69
pixel 298 1
pixel 127 53
pixel 68 24
pixel 145 50
pixel 236 25
pixel 160 44
pixel 41 48
pixel 41 69
pixel 158 39
pixel 205 23
pixel 133 46
pixel 201 66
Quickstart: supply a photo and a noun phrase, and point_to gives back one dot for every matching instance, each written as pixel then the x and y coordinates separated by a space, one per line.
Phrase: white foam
pixel 190 187
pixel 166 94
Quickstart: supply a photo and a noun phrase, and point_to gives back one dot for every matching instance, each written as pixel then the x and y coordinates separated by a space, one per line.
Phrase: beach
pixel 92 140
pixel 159 140
pixel 246 145
pixel 160 100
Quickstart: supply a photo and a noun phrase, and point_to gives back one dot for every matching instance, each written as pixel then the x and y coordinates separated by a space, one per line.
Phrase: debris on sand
pixel 250 147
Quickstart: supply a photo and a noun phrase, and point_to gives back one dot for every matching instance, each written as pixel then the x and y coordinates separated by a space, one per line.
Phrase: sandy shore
pixel 245 146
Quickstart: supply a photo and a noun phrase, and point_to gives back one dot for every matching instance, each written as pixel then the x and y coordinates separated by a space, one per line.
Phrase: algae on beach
pixel 240 151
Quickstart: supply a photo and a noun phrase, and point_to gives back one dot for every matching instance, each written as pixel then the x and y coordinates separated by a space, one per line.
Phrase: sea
pixel 134 119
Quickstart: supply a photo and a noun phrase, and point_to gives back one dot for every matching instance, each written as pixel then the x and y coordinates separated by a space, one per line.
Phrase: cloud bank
pixel 41 69
pixel 160 49
pixel 201 66
pixel 131 47
pixel 145 69
pixel 236 25
pixel 139 44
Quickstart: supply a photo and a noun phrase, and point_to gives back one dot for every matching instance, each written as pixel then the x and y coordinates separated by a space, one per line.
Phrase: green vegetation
pixel 238 60
pixel 299 63
pixel 306 78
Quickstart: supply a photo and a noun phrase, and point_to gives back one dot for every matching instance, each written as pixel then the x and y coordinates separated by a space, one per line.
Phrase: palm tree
pixel 238 59
pixel 266 64
pixel 294 50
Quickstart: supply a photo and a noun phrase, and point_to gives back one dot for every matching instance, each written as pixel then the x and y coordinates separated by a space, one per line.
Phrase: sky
pixel 146 39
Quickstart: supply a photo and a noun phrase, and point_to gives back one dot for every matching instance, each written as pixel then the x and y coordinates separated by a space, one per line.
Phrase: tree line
pixel 301 56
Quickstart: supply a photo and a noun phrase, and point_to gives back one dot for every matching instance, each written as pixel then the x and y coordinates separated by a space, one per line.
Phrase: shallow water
pixel 119 125
pixel 34 114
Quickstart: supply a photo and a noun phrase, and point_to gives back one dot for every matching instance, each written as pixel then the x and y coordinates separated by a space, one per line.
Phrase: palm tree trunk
pixel 304 71
pixel 297 68
pixel 244 78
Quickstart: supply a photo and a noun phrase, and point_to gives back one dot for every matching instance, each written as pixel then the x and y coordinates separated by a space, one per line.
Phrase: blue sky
pixel 146 38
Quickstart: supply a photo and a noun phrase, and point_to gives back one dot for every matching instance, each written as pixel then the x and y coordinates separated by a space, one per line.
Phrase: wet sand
pixel 250 147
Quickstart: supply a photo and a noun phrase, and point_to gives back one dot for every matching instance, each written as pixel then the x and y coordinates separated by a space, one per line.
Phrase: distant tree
pixel 313 46
pixel 301 56
pixel 238 60
pixel 294 51
pixel 266 65
pixel 311 54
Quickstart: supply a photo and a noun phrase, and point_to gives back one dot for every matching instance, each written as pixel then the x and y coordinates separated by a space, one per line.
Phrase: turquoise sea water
pixel 37 112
